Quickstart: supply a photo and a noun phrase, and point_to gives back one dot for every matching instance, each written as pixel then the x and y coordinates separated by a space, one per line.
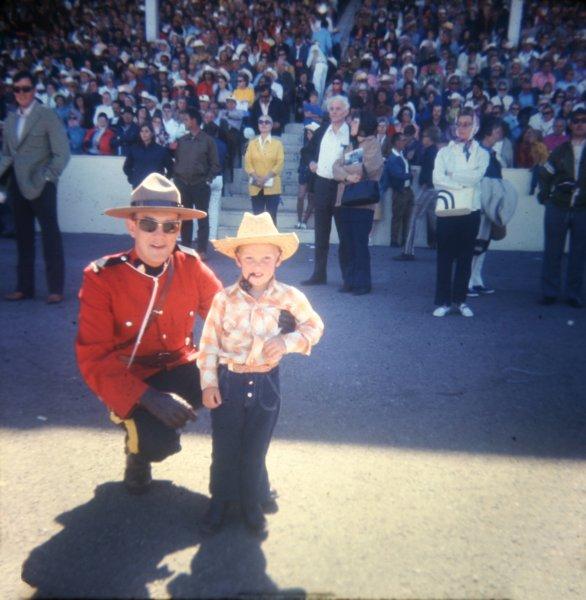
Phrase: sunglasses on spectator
pixel 579 120
pixel 22 89
pixel 264 122
pixel 150 225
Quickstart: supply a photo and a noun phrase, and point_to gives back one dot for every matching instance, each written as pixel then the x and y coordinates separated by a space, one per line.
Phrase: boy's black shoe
pixel 254 519
pixel 137 475
pixel 214 517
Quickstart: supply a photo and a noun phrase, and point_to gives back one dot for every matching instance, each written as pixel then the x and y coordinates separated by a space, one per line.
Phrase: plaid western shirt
pixel 238 325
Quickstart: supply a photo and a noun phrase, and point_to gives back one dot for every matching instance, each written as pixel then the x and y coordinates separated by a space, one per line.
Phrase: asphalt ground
pixel 415 457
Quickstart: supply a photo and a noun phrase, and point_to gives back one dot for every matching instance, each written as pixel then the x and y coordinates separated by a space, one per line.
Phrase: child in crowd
pixel 251 325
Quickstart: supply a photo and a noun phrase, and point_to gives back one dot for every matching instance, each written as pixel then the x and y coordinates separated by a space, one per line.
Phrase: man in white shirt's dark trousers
pixel 326 146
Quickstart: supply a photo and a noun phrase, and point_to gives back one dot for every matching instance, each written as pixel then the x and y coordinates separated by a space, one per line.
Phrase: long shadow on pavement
pixel 113 547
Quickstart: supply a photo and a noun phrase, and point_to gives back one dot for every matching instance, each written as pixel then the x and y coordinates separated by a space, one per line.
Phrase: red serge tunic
pixel 114 299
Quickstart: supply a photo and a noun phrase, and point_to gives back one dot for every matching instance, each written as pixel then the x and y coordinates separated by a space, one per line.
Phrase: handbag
pixel 364 192
pixel 454 203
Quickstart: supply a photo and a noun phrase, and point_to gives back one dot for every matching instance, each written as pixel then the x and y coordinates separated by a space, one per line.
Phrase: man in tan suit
pixel 36 149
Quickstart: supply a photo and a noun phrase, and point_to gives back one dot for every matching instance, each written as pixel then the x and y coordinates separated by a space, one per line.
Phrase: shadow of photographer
pixel 114 546
pixel 230 564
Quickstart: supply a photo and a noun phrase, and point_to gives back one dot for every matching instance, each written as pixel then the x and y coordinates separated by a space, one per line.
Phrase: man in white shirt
pixel 326 146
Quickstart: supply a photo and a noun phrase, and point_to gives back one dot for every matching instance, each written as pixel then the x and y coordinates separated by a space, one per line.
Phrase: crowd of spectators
pixel 416 64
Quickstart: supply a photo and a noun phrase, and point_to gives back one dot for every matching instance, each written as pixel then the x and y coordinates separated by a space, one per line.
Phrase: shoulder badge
pixel 107 261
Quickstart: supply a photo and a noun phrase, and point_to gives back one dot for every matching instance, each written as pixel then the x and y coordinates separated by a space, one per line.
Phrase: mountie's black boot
pixel 137 475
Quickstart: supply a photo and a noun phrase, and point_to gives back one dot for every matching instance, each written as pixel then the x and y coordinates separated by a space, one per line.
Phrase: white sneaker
pixel 299 224
pixel 303 225
pixel 465 310
pixel 441 311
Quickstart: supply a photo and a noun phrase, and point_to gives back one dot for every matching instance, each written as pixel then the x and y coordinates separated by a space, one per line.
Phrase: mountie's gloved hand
pixel 169 408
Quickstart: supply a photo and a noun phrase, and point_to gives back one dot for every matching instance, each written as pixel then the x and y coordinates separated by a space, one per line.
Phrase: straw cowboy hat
pixel 258 229
pixel 156 193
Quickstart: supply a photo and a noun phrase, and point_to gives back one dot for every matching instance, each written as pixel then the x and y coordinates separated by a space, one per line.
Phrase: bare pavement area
pixel 415 457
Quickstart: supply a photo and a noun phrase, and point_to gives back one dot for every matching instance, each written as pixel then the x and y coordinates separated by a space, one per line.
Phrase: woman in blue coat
pixel 147 157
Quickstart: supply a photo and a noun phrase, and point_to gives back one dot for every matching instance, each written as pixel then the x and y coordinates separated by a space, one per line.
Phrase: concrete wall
pixel 90 184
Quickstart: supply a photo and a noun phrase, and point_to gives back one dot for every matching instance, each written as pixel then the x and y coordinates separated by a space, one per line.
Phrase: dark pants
pixel 242 428
pixel 7 216
pixel 44 210
pixel 402 208
pixel 146 435
pixel 354 225
pixel 325 191
pixel 266 203
pixel 455 244
pixel 195 196
pixel 558 222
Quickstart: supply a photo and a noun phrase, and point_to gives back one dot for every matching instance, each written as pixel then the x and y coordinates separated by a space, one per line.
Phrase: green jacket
pixel 40 155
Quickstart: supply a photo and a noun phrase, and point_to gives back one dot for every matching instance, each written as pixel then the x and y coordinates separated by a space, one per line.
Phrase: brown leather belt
pixel 159 359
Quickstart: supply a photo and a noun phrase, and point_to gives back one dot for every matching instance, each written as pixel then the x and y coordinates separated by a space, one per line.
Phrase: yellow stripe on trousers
pixel 131 431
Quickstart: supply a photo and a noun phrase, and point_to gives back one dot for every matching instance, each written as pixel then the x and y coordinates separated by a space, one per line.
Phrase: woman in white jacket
pixel 459 168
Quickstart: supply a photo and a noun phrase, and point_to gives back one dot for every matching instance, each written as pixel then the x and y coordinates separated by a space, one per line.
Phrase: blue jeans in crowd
pixel 557 223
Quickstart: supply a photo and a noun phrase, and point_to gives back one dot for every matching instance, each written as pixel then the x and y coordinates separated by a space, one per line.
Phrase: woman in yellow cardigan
pixel 263 162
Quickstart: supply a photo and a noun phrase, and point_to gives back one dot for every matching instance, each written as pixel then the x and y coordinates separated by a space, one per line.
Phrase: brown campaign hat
pixel 156 192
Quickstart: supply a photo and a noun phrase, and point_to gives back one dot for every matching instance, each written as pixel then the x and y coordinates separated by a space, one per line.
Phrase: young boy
pixel 242 343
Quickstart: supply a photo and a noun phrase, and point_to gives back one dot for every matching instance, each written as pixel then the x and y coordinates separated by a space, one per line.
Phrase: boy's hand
pixel 211 398
pixel 274 349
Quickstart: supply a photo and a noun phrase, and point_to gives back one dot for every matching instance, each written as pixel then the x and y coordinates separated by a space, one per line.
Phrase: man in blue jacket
pixel 397 176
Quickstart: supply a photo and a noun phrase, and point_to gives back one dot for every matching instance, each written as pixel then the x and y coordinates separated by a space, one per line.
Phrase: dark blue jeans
pixel 242 428
pixel 266 203
pixel 354 225
pixel 44 210
pixel 558 222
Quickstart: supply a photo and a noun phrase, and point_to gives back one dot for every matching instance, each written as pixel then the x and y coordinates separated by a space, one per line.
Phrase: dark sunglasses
pixel 22 89
pixel 579 120
pixel 264 122
pixel 150 225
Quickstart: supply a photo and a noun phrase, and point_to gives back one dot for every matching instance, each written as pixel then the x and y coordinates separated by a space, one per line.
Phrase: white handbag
pixel 454 203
